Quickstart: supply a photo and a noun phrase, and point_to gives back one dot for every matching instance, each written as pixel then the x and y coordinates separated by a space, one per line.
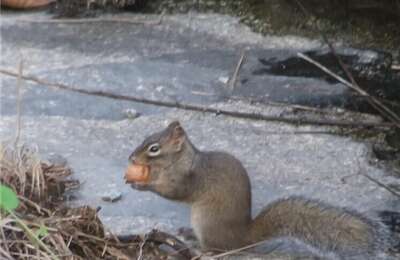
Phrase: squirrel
pixel 217 187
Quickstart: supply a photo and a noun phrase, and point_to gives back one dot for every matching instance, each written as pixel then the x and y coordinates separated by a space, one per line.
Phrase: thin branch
pixel 96 20
pixel 6 248
pixel 325 69
pixel 384 101
pixel 259 100
pixel 202 109
pixel 376 103
pixel 19 101
pixel 34 204
pixel 159 237
pixel 32 236
pixel 386 187
pixel 299 133
pixel 232 81
pixel 141 247
pixel 234 251
pixel 171 241
pixel 5 254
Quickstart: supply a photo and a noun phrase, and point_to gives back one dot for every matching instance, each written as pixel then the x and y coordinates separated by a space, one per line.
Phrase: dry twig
pixel 232 81
pixel 19 100
pixel 381 185
pixel 202 109
pixel 96 20
pixel 160 237
pixel 374 102
pixel 235 251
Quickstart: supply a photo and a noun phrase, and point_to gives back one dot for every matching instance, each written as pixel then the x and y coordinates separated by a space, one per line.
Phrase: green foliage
pixel 42 231
pixel 8 198
pixel 8 202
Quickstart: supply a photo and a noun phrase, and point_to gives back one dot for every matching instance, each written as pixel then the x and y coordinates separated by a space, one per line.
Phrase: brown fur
pixel 328 228
pixel 217 187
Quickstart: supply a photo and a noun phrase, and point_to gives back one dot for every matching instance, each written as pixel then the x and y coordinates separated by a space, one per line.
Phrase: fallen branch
pixel 374 102
pixel 198 108
pixel 141 248
pixel 381 185
pixel 235 251
pixel 95 20
pixel 232 81
pixel 299 133
pixel 377 104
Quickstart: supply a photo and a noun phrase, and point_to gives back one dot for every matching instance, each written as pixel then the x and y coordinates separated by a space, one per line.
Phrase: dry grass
pixel 23 170
pixel 73 233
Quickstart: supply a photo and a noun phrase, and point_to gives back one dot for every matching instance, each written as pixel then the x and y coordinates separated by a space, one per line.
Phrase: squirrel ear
pixel 176 129
pixel 178 135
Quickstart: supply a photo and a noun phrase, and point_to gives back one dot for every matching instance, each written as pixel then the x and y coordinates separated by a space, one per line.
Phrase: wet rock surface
pixel 371 70
pixel 185 59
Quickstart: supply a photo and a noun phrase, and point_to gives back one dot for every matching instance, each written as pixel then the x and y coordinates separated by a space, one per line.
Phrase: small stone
pixel 131 113
pixel 340 110
pixel 224 80
pixel 112 196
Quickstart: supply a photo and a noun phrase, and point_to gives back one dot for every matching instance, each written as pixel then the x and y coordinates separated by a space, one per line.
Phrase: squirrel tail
pixel 330 230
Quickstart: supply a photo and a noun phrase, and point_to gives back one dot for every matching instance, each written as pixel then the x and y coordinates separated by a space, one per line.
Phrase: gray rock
pixel 111 196
pixel 185 59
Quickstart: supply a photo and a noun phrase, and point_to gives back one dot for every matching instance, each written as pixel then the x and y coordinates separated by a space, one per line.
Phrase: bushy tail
pixel 331 230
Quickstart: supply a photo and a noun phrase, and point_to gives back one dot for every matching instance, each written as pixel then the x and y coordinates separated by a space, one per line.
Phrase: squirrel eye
pixel 154 149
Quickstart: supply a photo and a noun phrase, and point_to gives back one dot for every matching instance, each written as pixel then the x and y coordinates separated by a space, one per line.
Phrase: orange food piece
pixel 137 173
pixel 24 4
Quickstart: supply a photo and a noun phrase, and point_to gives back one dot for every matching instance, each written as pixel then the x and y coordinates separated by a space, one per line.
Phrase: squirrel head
pixel 167 155
pixel 163 164
pixel 161 146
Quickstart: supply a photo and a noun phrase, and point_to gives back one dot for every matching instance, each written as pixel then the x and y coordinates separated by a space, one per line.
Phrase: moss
pixel 393 138
pixel 366 28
